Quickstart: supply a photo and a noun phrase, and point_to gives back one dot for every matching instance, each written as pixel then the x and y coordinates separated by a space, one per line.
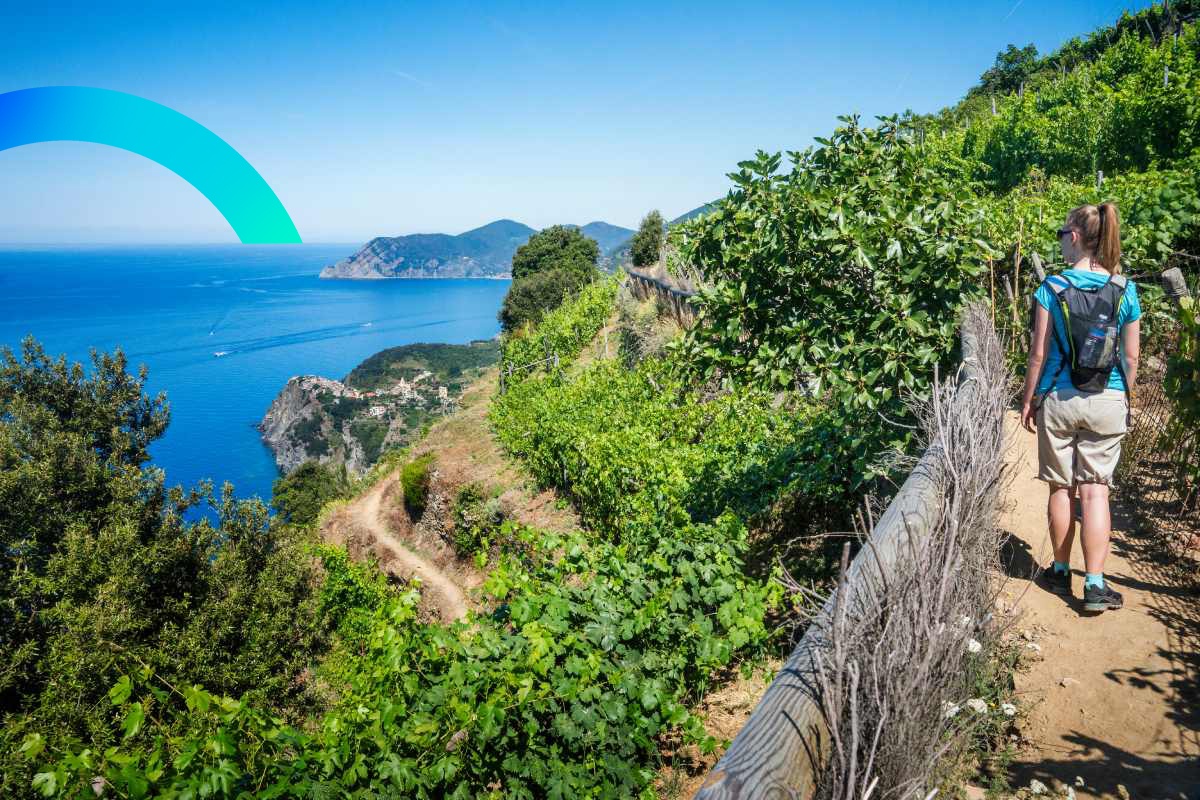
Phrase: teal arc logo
pixel 182 145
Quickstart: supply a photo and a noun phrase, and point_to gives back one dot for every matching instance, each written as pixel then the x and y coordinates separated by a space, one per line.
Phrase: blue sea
pixel 222 328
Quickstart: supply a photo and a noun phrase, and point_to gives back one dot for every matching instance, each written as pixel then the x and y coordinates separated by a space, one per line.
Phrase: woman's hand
pixel 1029 417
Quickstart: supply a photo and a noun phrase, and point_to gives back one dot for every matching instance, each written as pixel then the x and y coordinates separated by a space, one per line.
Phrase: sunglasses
pixel 1064 231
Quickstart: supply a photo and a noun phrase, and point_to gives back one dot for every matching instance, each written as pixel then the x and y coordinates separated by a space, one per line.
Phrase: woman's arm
pixel 1131 352
pixel 1039 344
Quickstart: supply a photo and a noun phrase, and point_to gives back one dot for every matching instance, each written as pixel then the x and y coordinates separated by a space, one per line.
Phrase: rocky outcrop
pixel 298 426
pixel 383 404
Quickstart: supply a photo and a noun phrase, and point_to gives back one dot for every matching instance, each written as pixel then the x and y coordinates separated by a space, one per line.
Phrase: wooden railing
pixel 780 750
pixel 680 303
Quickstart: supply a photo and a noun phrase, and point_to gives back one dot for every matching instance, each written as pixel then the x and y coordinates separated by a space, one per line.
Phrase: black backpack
pixel 1092 331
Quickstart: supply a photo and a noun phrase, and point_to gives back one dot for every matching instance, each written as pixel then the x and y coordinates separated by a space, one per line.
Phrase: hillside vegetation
pixel 830 294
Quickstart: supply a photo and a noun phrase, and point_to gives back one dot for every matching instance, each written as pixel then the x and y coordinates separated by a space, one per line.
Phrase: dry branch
pixel 895 651
pixel 859 706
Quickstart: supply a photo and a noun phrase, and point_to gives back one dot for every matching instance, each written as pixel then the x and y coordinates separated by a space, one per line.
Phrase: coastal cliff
pixel 298 427
pixel 384 403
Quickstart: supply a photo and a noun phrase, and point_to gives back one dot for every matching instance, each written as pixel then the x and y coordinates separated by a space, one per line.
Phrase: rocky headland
pixel 384 403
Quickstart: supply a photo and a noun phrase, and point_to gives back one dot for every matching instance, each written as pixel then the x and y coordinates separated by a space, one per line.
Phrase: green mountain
pixel 484 252
pixel 609 237
pixel 695 212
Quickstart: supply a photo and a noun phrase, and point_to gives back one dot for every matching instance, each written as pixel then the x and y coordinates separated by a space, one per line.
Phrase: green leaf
pixel 121 690
pixel 134 718
pixel 32 746
pixel 46 783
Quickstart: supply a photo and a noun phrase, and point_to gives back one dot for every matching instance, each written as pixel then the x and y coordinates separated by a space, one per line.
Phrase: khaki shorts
pixel 1079 435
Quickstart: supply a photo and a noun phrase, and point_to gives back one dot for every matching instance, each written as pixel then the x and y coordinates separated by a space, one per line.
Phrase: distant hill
pixel 607 236
pixel 484 252
pixel 695 212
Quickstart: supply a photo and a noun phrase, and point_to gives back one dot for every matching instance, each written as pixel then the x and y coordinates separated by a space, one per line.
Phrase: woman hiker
pixel 1083 361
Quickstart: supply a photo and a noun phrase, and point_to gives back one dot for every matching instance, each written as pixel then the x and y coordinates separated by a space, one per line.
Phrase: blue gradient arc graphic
pixel 182 145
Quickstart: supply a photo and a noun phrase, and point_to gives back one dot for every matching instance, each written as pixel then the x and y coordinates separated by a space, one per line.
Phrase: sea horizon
pixel 174 307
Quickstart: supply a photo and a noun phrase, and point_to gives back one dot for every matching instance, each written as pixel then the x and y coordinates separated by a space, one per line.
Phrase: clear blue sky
pixel 390 118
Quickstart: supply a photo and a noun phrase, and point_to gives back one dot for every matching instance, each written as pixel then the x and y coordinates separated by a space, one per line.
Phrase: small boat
pixel 220 353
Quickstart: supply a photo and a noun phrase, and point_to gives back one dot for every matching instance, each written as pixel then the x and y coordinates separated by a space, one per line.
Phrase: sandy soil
pixel 362 527
pixel 1112 697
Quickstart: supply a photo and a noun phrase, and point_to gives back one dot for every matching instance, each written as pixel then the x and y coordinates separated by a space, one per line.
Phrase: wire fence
pixel 507 370
pixel 1160 465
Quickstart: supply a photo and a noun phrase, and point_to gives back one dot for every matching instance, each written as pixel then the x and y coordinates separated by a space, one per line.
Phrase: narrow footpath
pixel 1112 700
pixel 363 521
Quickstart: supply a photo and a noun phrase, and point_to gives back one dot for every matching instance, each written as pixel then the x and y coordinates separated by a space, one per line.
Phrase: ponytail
pixel 1109 249
pixel 1099 230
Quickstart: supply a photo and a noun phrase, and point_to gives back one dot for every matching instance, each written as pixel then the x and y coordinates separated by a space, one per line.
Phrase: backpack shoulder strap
pixel 1119 281
pixel 1059 284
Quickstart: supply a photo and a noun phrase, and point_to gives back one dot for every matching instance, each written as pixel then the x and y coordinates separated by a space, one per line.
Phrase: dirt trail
pixel 1113 696
pixel 365 513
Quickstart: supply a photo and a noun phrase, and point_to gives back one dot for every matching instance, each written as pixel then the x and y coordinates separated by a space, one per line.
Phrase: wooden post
pixel 1166 75
pixel 993 105
pixel 1038 269
pixel 992 282
pixel 1099 179
pixel 1174 285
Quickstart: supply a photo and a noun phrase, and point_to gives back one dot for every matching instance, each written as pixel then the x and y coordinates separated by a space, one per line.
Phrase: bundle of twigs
pixel 895 644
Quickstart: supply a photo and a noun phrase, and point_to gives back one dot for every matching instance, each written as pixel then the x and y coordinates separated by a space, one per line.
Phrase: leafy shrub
pixel 1182 385
pixel 414 480
pixel 300 495
pixel 563 695
pixel 1160 213
pixel 843 275
pixel 100 569
pixel 529 298
pixel 1114 114
pixel 638 449
pixel 556 248
pixel 477 518
pixel 648 241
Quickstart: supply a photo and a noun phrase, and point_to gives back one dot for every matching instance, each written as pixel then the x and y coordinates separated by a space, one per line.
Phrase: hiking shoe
pixel 1097 599
pixel 1057 582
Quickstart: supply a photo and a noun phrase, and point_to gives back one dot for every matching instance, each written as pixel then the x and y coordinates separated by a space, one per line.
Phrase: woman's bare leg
pixel 1097 526
pixel 1062 522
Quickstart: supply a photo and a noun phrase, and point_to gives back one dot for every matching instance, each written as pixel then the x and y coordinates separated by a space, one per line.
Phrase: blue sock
pixel 1062 568
pixel 1094 579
